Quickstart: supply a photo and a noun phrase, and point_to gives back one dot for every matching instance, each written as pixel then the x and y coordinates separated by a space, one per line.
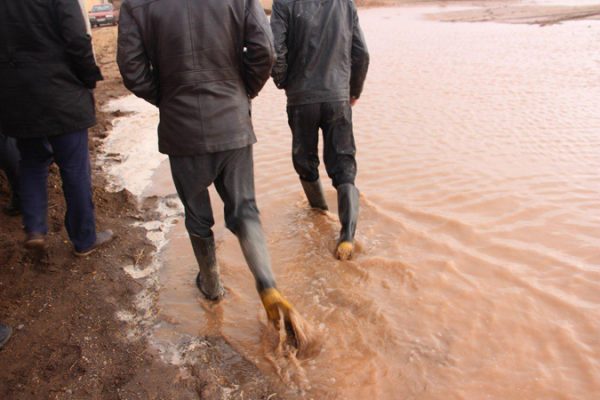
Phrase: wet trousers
pixel 70 153
pixel 9 162
pixel 232 173
pixel 339 149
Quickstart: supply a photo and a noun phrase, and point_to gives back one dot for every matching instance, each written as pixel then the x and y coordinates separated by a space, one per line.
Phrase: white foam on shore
pixel 130 159
pixel 131 150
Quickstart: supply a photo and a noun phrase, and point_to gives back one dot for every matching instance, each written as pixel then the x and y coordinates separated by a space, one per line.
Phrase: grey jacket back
pixel 321 51
pixel 200 62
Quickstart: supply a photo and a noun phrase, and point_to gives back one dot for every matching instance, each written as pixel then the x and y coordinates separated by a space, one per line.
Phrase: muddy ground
pixel 67 342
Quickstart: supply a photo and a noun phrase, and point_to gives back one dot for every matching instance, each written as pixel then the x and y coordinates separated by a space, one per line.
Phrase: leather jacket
pixel 321 51
pixel 47 69
pixel 200 62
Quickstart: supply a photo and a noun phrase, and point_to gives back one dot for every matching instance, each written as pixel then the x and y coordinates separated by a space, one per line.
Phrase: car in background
pixel 103 14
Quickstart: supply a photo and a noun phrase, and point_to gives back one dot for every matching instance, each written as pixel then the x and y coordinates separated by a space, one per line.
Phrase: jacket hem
pixel 25 133
pixel 207 149
pixel 316 97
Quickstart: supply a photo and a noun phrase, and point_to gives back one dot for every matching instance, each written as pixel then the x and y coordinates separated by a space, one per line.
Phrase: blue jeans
pixel 70 152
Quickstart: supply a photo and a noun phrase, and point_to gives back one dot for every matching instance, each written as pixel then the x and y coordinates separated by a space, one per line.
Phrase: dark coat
pixel 47 68
pixel 200 62
pixel 321 51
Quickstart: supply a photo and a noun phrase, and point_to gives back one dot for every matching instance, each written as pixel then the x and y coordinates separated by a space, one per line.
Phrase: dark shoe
pixel 102 238
pixel 13 208
pixel 314 194
pixel 35 241
pixel 208 279
pixel 348 202
pixel 5 334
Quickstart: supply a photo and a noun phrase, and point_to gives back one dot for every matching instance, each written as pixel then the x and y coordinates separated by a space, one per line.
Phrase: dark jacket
pixel 321 51
pixel 47 68
pixel 200 62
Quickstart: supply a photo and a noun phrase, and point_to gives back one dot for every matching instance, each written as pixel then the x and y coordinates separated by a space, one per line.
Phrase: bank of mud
pixel 67 341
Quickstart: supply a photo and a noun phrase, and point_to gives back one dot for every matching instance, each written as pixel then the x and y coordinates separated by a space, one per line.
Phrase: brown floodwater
pixel 478 274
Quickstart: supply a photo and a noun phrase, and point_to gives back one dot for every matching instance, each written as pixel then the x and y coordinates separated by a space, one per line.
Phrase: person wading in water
pixel 200 63
pixel 322 63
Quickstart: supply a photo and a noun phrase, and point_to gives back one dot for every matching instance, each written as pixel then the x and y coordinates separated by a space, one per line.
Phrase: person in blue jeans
pixel 9 163
pixel 47 76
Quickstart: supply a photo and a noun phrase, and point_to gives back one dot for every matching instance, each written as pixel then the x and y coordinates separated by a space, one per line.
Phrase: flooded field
pixel 478 274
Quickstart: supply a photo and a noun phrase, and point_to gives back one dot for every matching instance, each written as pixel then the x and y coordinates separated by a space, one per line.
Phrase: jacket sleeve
pixel 78 43
pixel 134 64
pixel 360 58
pixel 259 55
pixel 279 26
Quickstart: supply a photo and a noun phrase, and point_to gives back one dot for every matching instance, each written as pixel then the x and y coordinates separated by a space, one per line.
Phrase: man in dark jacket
pixel 201 62
pixel 322 62
pixel 47 73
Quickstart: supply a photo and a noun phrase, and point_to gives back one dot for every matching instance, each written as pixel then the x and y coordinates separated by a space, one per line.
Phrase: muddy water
pixel 478 274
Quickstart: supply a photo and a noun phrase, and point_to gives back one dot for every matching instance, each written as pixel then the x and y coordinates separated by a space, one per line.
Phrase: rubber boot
pixel 208 279
pixel 254 246
pixel 314 194
pixel 348 203
pixel 5 334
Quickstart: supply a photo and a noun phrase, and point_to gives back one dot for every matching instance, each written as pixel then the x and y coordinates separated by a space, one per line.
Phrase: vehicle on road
pixel 103 14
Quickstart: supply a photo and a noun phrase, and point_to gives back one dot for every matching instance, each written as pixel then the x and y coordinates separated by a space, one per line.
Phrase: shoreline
pixel 520 14
pixel 82 326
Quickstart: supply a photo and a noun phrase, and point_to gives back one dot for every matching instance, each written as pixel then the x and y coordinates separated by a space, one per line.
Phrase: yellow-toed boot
pixel 344 251
pixel 298 331
pixel 348 203
pixel 276 306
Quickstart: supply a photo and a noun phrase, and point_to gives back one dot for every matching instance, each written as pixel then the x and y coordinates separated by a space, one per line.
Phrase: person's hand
pixel 353 101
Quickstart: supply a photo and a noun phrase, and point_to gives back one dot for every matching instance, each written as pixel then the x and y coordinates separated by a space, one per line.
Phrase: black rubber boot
pixel 252 241
pixel 208 279
pixel 5 334
pixel 348 204
pixel 314 194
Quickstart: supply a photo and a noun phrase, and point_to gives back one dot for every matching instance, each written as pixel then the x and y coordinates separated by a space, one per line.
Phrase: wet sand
pixel 540 14
pixel 478 273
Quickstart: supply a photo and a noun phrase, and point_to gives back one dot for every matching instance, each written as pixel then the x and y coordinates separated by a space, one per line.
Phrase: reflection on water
pixel 479 269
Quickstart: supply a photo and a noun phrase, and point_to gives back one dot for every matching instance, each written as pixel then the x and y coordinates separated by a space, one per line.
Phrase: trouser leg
pixel 36 157
pixel 9 163
pixel 304 123
pixel 339 148
pixel 71 154
pixel 235 185
pixel 192 176
pixel 340 162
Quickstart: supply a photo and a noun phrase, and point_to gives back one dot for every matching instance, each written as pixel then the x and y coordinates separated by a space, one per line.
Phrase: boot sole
pixel 93 249
pixel 35 244
pixel 219 297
